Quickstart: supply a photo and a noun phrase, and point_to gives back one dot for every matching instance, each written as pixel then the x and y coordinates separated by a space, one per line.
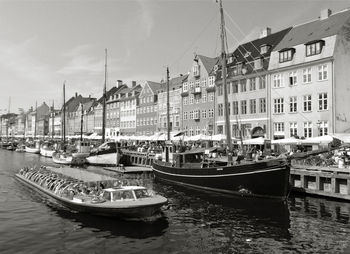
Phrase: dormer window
pixel 195 69
pixel 314 47
pixel 264 48
pixel 230 60
pixel 258 63
pixel 286 55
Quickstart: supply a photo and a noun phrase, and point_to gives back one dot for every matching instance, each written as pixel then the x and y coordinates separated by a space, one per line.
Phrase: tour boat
pixel 127 202
pixel 104 155
pixel 266 178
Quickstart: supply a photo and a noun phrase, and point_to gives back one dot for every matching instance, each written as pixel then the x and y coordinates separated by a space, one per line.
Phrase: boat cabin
pixel 105 148
pixel 126 193
pixel 83 146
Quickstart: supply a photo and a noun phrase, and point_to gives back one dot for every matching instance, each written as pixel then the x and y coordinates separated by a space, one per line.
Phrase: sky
pixel 46 43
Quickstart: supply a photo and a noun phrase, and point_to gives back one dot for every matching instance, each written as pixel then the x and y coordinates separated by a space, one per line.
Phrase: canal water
pixel 193 222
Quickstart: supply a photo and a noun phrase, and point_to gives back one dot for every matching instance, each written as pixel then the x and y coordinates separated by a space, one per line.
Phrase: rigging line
pixel 195 39
pixel 240 30
pixel 259 75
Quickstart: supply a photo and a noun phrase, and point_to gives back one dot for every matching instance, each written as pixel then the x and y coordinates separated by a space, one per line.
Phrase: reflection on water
pixel 192 222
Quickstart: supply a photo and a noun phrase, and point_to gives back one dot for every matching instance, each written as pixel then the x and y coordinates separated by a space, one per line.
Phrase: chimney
pixel 265 32
pixel 325 14
pixel 76 94
pixel 119 83
pixel 133 83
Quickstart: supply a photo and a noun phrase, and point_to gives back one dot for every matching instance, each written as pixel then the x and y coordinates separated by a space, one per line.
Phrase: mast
pixel 53 119
pixel 224 83
pixel 81 122
pixel 104 101
pixel 167 114
pixel 36 118
pixel 64 115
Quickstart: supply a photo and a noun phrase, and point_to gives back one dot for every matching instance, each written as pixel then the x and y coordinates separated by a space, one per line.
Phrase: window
pixel 197 100
pixel 314 48
pixel 252 106
pixel 262 82
pixel 293 129
pixel 322 101
pixel 264 48
pixel 191 114
pixel 211 113
pixel 220 90
pixel 252 85
pixel 204 114
pixel 243 107
pixel 185 100
pixel 243 83
pixel 195 69
pixel 234 87
pixel 191 98
pixel 220 110
pixel 211 96
pixel 307 103
pixel 235 130
pixel 278 127
pixel 196 114
pixel 220 129
pixel 307 129
pixel 292 78
pixel 293 105
pixel 278 105
pixel 211 81
pixel 185 87
pixel 198 130
pixel 235 107
pixel 258 63
pixel 185 115
pixel 307 75
pixel 286 55
pixel 277 80
pixel 204 97
pixel 322 72
pixel 323 128
pixel 262 105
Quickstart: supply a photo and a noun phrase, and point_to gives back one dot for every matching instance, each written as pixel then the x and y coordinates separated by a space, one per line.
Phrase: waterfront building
pixel 8 125
pixel 37 121
pixel 128 104
pixel 247 87
pixel 20 124
pixel 175 112
pixel 55 122
pixel 198 97
pixel 146 109
pixel 73 115
pixel 113 111
pixel 309 78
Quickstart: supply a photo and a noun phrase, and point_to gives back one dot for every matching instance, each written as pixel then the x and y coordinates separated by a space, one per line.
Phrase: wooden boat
pixel 21 148
pixel 127 202
pixel 64 158
pixel 104 155
pixel 266 178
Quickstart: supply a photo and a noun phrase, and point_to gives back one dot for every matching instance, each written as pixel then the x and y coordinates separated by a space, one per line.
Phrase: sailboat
pixel 105 154
pixel 266 178
pixel 34 147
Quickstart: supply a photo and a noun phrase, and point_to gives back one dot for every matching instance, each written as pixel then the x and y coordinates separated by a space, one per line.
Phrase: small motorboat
pixel 127 202
pixel 47 150
pixel 104 155
pixel 33 147
pixel 21 148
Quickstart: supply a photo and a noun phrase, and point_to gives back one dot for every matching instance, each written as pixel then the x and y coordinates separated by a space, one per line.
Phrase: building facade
pixel 309 78
pixel 198 97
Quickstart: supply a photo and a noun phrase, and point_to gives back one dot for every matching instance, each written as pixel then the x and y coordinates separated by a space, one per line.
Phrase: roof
pixel 154 86
pixel 173 83
pixel 253 47
pixel 314 30
pixel 208 62
pixel 109 93
pixel 73 103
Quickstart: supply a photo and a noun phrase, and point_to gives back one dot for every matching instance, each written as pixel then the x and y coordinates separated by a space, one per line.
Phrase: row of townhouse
pixel 293 82
pixel 290 83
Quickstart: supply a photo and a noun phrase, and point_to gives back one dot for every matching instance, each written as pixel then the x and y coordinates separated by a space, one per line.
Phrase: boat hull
pixel 125 212
pixel 46 153
pixel 268 179
pixel 109 159
pixel 32 150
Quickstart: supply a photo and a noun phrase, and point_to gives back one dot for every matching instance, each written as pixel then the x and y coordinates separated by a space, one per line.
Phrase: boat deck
pixel 129 169
pixel 80 174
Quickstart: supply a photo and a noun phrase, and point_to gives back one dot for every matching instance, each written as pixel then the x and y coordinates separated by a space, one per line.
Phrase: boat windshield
pixel 107 195
pixel 142 193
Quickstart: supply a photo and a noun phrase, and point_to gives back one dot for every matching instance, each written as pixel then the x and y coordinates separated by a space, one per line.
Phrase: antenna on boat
pixel 53 119
pixel 224 83
pixel 104 101
pixel 81 122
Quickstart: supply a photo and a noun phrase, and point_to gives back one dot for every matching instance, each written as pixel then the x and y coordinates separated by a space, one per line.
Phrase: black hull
pixel 135 212
pixel 267 179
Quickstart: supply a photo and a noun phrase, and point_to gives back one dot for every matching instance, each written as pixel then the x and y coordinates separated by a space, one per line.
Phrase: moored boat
pixel 47 150
pixel 104 155
pixel 32 150
pixel 127 202
pixel 266 178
